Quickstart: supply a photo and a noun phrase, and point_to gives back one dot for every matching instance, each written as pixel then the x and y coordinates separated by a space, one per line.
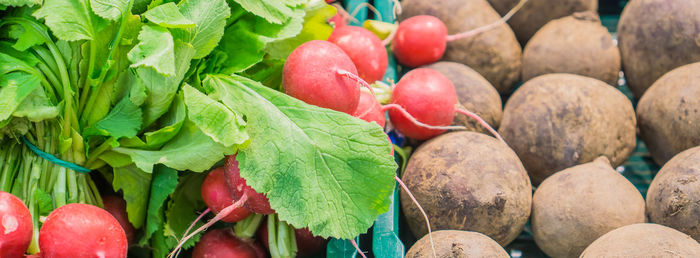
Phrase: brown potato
pixel 556 121
pixel 536 13
pixel 575 206
pixel 643 240
pixel 673 199
pixel 495 54
pixel 467 181
pixel 576 44
pixel 474 93
pixel 668 113
pixel 656 36
pixel 455 243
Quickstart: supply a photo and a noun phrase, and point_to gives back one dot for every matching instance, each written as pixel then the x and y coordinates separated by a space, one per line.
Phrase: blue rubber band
pixel 53 159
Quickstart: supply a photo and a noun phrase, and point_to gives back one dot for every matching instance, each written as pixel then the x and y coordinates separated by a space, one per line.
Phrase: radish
pixel 369 109
pixel 81 230
pixel 320 73
pixel 423 105
pixel 116 206
pixel 256 202
pixel 217 196
pixel 422 39
pixel 364 49
pixel 307 243
pixel 222 243
pixel 15 226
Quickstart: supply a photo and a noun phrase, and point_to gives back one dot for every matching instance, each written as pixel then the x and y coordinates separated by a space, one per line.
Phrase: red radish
pixel 317 72
pixel 81 230
pixel 222 243
pixel 256 202
pixel 307 243
pixel 422 39
pixel 15 226
pixel 419 40
pixel 370 110
pixel 364 49
pixel 428 96
pixel 116 206
pixel 217 196
pixel 423 105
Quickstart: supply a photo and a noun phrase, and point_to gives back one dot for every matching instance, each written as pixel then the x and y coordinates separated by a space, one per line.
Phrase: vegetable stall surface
pixel 81 230
pixel 145 95
pixel 15 226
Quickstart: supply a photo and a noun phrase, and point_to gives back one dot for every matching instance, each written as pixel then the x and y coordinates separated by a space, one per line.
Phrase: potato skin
pixel 643 240
pixel 536 13
pixel 653 42
pixel 576 44
pixel 668 113
pixel 456 243
pixel 556 121
pixel 673 199
pixel 467 181
pixel 575 206
pixel 495 54
pixel 474 93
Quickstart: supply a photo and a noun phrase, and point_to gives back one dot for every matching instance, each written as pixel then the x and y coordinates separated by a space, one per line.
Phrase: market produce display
pixel 357 128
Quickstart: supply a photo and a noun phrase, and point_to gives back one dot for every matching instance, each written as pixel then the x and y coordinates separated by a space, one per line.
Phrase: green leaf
pixel 336 158
pixel 172 123
pixel 169 16
pixel 273 11
pixel 135 185
pixel 161 90
pixel 184 207
pixel 315 27
pixel 36 107
pixel 210 17
pixel 115 159
pixel 191 149
pixel 26 35
pixel 124 120
pixel 19 2
pixel 155 49
pixel 70 20
pixel 109 9
pixel 16 86
pixel 214 119
pixel 44 201
pixel 163 184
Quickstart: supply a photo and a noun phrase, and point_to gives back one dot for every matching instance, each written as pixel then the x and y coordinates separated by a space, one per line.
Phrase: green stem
pixel 246 228
pixel 94 155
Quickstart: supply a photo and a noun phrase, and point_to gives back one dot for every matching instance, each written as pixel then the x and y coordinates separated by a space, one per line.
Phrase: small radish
pixel 222 243
pixel 423 105
pixel 369 109
pixel 307 243
pixel 116 206
pixel 15 226
pixel 422 39
pixel 256 202
pixel 319 73
pixel 81 230
pixel 217 196
pixel 364 49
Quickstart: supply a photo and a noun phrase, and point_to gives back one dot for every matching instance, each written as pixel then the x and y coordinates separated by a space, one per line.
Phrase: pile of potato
pixel 567 129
